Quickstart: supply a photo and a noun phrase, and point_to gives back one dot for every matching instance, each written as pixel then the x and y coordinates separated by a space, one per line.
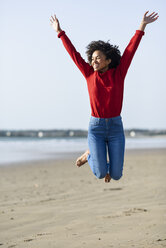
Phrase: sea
pixel 16 150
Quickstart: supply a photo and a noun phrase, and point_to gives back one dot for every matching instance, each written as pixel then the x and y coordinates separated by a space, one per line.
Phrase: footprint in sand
pixel 113 189
pixel 127 212
pixel 28 240
pixel 134 211
pixel 41 234
pixel 161 240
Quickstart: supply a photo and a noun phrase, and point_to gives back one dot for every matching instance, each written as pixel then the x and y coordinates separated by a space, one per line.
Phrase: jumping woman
pixel 105 74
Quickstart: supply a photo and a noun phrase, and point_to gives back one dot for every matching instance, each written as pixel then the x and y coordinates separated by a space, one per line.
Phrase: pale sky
pixel 40 86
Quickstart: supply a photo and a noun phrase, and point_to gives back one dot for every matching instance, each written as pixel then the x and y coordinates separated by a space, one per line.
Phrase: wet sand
pixel 54 204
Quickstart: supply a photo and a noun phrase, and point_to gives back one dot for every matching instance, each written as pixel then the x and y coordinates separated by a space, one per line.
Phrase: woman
pixel 105 74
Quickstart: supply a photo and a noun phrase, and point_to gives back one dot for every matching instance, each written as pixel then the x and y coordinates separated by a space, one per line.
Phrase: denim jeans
pixel 106 143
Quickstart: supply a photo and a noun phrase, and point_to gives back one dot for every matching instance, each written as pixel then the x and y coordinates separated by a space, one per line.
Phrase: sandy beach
pixel 54 204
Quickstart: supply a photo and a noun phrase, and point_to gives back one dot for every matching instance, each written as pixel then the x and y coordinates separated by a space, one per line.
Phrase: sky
pixel 40 86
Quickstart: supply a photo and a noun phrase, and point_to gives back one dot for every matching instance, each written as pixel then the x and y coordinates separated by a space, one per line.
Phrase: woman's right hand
pixel 55 24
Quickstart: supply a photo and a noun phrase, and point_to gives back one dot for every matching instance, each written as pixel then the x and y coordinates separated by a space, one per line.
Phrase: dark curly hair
pixel 110 51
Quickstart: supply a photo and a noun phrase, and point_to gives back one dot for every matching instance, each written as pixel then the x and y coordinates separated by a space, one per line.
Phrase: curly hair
pixel 110 51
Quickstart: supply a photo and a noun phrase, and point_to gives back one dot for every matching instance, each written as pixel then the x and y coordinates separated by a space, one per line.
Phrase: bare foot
pixel 83 159
pixel 107 178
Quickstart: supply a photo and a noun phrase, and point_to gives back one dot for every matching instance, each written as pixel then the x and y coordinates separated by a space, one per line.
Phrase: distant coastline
pixel 60 133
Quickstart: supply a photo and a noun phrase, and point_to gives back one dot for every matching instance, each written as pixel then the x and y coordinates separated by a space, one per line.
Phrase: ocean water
pixel 13 150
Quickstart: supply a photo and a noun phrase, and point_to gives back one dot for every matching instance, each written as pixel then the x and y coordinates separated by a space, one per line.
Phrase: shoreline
pixel 74 155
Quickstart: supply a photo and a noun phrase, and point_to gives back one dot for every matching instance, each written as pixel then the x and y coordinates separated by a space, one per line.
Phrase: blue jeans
pixel 106 136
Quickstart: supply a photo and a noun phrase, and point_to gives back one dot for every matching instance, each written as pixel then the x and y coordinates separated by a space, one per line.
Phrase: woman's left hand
pixel 148 19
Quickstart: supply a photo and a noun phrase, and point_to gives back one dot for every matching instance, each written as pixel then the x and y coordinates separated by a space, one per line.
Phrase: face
pixel 99 61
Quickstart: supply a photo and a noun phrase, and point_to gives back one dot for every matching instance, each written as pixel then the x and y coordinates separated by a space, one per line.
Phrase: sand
pixel 54 204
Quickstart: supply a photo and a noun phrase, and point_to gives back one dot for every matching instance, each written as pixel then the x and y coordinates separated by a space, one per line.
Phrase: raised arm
pixel 134 43
pixel 84 67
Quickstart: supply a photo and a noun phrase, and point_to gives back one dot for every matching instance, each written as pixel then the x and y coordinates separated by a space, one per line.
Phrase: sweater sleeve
pixel 129 53
pixel 83 66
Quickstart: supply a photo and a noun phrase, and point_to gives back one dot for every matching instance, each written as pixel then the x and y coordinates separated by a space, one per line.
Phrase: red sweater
pixel 105 89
